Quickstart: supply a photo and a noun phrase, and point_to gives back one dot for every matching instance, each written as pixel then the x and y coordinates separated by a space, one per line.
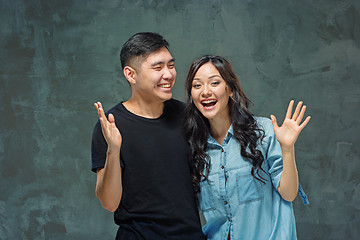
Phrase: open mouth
pixel 166 85
pixel 208 103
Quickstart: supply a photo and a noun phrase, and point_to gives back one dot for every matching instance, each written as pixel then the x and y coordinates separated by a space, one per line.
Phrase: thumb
pixel 274 122
pixel 111 118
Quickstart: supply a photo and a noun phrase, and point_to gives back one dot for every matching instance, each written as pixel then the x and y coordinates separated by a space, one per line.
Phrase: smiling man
pixel 139 152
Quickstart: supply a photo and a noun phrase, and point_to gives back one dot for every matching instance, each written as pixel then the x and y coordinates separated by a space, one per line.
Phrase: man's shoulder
pixel 115 109
pixel 176 104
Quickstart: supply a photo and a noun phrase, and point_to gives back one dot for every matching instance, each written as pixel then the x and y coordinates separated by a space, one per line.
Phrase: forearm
pixel 289 182
pixel 109 184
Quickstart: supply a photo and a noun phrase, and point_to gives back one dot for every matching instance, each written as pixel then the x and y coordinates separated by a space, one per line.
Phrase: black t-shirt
pixel 157 199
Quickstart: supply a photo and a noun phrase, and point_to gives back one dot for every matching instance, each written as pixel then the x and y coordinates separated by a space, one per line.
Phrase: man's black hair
pixel 141 44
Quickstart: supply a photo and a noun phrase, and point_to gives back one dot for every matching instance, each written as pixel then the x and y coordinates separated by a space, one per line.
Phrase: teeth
pixel 208 101
pixel 165 85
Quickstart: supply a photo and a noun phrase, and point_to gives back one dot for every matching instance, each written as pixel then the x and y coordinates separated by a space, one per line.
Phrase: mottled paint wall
pixel 58 57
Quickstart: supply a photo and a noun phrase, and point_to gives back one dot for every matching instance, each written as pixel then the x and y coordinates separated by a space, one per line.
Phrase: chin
pixel 166 97
pixel 208 116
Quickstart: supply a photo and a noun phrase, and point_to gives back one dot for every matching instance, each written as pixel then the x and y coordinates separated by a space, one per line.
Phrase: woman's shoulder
pixel 264 123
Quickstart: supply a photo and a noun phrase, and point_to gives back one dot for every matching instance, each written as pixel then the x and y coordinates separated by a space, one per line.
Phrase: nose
pixel 168 73
pixel 206 91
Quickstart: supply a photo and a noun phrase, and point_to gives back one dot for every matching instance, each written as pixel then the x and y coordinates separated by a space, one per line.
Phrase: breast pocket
pixel 206 196
pixel 248 188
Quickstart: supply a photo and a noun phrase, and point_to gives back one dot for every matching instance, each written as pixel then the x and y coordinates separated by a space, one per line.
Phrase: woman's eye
pixel 196 85
pixel 215 83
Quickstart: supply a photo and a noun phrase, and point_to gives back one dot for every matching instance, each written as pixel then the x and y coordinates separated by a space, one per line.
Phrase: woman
pixel 243 167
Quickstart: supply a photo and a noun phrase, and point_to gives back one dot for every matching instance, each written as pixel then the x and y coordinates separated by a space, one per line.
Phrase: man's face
pixel 156 75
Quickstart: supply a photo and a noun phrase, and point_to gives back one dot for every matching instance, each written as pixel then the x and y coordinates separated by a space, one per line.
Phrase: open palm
pixel 110 131
pixel 289 131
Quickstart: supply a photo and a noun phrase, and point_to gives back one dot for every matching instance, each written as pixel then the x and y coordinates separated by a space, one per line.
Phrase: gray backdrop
pixel 58 57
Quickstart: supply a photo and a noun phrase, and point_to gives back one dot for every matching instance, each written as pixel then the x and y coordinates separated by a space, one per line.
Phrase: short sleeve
pixel 98 148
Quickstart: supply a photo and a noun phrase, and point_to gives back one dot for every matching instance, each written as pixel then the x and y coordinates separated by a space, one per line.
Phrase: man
pixel 139 151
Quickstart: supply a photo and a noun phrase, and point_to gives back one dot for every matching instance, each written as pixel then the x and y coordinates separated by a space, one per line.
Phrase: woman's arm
pixel 287 135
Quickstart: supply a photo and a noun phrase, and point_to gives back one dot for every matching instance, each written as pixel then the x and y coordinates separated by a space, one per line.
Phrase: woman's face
pixel 210 93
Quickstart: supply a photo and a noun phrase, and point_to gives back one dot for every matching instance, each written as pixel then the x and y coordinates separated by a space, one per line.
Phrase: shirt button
pixel 229 219
pixel 222 167
pixel 225 202
pixel 222 150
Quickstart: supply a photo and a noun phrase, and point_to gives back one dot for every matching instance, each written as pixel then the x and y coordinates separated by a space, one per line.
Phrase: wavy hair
pixel 197 127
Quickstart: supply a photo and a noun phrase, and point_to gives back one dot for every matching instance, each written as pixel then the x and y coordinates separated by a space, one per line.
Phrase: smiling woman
pixel 238 165
pixel 210 93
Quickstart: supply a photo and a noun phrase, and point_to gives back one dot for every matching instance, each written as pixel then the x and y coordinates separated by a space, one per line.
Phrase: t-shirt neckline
pixel 145 118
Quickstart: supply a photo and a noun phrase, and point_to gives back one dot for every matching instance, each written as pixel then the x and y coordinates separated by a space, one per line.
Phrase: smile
pixel 209 104
pixel 167 85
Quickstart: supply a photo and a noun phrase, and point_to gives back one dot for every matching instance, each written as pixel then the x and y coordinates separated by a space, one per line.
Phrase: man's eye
pixel 157 68
pixel 171 66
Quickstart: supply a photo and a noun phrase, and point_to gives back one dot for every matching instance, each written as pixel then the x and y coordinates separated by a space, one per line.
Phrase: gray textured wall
pixel 58 57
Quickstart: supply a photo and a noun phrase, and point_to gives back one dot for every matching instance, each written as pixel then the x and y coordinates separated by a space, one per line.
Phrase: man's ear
pixel 130 74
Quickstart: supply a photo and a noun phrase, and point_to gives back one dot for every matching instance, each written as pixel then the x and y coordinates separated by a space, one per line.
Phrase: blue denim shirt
pixel 251 209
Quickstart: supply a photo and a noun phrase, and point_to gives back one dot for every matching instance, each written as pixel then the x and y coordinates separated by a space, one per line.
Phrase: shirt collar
pixel 212 141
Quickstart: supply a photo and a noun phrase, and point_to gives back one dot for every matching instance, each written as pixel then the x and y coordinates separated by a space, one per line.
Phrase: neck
pixel 219 128
pixel 144 108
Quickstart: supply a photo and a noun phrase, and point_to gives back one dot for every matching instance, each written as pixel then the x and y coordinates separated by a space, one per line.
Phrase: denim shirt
pixel 251 209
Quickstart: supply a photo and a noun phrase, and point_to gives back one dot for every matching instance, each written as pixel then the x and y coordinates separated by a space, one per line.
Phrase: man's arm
pixel 108 182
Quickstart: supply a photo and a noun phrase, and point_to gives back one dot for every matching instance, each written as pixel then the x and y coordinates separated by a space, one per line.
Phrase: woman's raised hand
pixel 289 131
pixel 110 131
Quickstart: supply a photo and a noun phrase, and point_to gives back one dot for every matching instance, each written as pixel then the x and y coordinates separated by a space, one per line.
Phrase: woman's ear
pixel 230 92
pixel 130 74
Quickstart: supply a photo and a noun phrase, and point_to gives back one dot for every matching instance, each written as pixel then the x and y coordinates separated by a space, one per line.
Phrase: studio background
pixel 58 57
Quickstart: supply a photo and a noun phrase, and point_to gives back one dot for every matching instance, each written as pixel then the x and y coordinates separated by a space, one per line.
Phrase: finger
pixel 297 110
pixel 100 105
pixel 101 110
pixel 102 117
pixel 301 115
pixel 289 110
pixel 111 118
pixel 274 122
pixel 97 108
pixel 304 123
pixel 103 124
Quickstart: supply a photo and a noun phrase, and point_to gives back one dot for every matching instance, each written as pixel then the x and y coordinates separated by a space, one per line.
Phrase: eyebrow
pixel 211 77
pixel 161 62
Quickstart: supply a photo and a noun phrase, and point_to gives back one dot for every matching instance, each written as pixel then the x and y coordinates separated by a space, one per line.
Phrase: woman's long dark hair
pixel 197 127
